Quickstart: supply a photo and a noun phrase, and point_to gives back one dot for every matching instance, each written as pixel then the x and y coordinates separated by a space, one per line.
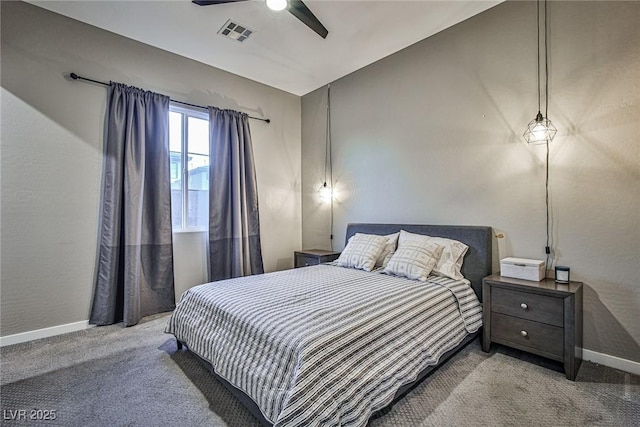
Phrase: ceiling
pixel 282 52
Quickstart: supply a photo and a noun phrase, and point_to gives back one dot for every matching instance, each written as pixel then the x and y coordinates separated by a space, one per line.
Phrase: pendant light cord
pixel 546 64
pixel 546 115
pixel 327 146
pixel 546 188
pixel 538 40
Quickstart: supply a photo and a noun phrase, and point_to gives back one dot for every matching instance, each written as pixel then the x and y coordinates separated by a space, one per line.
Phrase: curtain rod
pixel 74 76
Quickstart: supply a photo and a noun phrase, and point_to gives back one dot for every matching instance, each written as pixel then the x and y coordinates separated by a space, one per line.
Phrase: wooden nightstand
pixel 544 318
pixel 308 257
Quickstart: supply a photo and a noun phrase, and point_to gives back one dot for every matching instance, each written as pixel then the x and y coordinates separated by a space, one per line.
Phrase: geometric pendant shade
pixel 540 130
pixel 325 192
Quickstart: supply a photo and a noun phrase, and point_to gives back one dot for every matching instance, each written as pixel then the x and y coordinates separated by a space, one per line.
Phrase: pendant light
pixel 540 130
pixel 326 189
pixel 325 192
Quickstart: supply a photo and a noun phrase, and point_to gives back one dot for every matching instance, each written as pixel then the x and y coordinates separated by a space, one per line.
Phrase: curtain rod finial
pixel 74 76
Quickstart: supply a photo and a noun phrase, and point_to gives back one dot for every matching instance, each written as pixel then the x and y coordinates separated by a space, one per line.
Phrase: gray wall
pixel 433 134
pixel 51 156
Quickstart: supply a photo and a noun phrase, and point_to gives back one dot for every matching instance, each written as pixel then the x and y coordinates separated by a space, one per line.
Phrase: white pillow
pixel 414 259
pixel 450 262
pixel 362 251
pixel 405 237
pixel 389 249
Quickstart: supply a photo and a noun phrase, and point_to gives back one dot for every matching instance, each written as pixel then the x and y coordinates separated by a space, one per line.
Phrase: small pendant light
pixel 326 190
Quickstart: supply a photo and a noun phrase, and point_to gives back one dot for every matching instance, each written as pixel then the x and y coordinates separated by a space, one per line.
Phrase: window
pixel 189 168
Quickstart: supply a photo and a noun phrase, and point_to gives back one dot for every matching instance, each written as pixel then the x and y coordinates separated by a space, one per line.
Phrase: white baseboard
pixel 611 361
pixel 44 333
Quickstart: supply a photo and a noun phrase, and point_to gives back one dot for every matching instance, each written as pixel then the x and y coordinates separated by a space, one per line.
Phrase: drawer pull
pixel 524 333
pixel 524 306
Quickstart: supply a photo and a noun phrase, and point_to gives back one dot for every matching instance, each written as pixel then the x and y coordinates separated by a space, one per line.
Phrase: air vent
pixel 235 31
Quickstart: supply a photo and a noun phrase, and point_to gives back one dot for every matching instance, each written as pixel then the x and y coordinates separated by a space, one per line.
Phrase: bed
pixel 329 345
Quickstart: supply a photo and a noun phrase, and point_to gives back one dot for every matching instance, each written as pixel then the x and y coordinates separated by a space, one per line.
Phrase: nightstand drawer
pixel 533 336
pixel 540 308
pixel 305 261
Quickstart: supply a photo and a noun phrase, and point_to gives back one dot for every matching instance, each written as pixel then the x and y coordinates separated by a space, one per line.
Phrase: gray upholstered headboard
pixel 477 261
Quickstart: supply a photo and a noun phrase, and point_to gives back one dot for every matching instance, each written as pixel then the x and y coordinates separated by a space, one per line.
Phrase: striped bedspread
pixel 324 345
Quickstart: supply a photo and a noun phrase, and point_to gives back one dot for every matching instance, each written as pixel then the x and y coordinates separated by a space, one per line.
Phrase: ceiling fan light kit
pixel 277 5
pixel 295 7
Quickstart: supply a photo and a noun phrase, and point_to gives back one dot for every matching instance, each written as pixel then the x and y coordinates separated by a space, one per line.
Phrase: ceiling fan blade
pixel 302 12
pixel 210 2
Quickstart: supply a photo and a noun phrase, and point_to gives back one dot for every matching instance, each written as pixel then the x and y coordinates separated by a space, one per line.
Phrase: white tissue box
pixel 522 268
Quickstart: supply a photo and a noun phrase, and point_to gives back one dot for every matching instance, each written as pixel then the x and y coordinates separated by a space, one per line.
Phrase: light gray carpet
pixel 112 376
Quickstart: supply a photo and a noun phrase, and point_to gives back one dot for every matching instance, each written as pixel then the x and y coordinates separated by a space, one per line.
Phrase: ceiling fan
pixel 296 7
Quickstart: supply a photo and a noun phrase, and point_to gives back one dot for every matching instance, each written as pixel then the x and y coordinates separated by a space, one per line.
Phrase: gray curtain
pixel 234 226
pixel 135 252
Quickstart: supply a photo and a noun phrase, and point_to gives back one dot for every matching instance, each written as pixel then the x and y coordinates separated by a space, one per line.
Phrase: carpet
pixel 115 376
pixel 505 390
